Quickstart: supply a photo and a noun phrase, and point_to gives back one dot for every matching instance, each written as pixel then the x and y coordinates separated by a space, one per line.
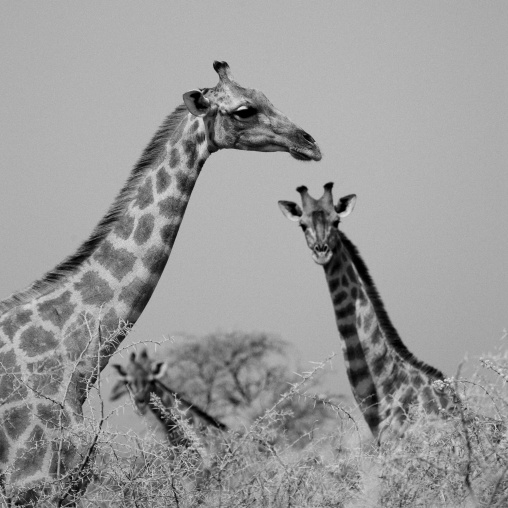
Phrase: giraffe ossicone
pixel 54 334
pixel 386 378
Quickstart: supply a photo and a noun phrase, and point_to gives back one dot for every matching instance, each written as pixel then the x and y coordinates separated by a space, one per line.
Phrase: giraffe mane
pixel 392 336
pixel 149 156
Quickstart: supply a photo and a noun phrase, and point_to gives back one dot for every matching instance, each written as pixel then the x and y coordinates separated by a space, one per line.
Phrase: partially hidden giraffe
pixel 143 379
pixel 385 377
pixel 53 333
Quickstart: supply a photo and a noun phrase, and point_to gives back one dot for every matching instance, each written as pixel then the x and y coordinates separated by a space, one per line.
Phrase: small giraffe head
pixel 319 220
pixel 138 379
pixel 243 118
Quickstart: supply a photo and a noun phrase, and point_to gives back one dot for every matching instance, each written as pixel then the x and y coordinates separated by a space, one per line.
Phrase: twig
pixel 467 478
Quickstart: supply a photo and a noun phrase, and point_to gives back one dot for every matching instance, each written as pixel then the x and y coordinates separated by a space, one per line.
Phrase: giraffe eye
pixel 335 223
pixel 303 226
pixel 244 112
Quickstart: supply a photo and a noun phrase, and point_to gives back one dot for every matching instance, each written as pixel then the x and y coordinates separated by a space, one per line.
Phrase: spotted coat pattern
pixel 112 285
pixel 385 377
pixel 385 380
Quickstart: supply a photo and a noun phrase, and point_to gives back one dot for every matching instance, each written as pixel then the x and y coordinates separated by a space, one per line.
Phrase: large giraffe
pixel 386 378
pixel 142 378
pixel 53 333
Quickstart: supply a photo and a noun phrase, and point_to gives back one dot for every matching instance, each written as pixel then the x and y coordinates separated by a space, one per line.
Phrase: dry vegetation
pixel 460 461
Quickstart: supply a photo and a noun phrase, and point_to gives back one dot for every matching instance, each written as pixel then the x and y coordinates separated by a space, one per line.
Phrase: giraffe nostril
pixel 308 137
pixel 321 248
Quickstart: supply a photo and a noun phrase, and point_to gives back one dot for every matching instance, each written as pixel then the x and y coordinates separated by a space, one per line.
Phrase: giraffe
pixel 142 378
pixel 385 377
pixel 53 333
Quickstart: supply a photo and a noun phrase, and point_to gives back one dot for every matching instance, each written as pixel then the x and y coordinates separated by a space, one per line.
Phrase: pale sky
pixel 408 101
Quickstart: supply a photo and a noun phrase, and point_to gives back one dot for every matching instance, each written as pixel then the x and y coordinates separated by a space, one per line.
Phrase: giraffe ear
pixel 196 102
pixel 158 370
pixel 291 210
pixel 119 390
pixel 345 205
pixel 119 369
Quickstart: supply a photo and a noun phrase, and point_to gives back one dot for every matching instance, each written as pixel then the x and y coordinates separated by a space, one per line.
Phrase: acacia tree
pixel 237 376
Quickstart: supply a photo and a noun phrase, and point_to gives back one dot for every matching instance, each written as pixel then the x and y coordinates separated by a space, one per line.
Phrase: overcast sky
pixel 407 100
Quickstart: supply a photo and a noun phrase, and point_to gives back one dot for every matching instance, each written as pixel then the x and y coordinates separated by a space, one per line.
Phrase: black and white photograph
pixel 254 254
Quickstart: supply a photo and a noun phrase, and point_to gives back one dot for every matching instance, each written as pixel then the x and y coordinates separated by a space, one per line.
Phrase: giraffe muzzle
pixel 321 254
pixel 306 148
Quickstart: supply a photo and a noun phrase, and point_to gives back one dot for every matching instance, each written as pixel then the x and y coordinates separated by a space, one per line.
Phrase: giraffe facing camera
pixel 385 377
pixel 143 378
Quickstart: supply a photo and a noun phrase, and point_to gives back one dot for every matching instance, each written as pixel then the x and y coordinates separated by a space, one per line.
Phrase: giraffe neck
pixel 129 260
pixel 146 213
pixel 75 307
pixel 162 412
pixel 385 376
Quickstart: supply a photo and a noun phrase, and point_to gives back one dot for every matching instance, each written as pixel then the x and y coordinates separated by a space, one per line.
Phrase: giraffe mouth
pixel 322 258
pixel 305 154
pixel 312 153
pixel 298 152
pixel 299 155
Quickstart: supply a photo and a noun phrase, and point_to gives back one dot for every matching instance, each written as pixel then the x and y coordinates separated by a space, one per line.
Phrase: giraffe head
pixel 243 118
pixel 138 379
pixel 319 220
